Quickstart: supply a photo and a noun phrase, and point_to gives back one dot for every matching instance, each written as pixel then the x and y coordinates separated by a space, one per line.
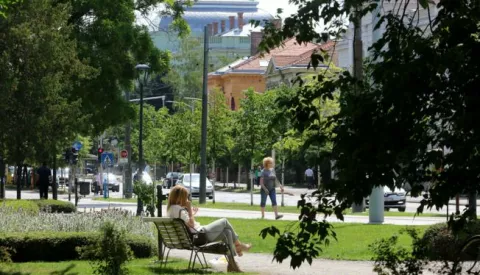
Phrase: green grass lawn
pixel 285 209
pixel 353 239
pixel 138 266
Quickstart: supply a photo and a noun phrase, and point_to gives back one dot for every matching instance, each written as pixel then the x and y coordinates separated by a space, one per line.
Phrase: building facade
pixel 263 72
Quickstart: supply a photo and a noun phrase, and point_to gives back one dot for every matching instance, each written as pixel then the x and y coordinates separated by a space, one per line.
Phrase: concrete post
pixel 376 207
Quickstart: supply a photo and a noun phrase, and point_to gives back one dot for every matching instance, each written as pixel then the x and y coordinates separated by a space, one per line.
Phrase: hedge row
pixel 61 246
pixel 442 244
pixel 35 206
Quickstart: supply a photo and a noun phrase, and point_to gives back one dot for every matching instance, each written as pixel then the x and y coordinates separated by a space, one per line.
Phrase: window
pixel 232 104
pixel 244 40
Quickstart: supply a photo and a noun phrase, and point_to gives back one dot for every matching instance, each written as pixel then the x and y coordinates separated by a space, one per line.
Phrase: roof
pixel 290 54
pixel 246 30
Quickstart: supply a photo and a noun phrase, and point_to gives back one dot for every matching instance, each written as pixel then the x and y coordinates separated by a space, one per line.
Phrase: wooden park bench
pixel 173 233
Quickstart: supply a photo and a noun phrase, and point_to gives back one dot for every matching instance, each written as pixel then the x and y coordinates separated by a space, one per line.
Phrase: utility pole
pixel 358 72
pixel 128 147
pixel 377 204
pixel 203 147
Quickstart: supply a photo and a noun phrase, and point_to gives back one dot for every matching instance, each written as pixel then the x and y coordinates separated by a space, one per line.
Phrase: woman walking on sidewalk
pixel 267 184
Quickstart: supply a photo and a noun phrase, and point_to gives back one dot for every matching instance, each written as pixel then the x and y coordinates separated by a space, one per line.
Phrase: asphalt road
pixel 290 198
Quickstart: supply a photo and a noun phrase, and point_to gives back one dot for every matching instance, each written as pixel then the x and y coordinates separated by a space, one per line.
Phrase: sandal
pixel 240 247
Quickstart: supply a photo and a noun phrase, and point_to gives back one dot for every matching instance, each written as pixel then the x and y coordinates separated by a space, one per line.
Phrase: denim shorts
pixel 272 194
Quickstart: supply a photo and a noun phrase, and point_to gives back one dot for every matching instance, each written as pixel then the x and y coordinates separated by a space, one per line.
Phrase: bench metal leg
pixel 191 258
pixel 165 259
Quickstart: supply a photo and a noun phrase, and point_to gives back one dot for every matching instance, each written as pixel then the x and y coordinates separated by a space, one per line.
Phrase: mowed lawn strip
pixel 353 238
pixel 137 266
pixel 284 209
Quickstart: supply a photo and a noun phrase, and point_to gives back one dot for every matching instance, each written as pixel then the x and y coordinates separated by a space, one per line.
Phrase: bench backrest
pixel 174 232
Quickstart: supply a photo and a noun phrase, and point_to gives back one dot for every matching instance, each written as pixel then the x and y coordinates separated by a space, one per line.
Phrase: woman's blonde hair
pixel 178 196
pixel 268 161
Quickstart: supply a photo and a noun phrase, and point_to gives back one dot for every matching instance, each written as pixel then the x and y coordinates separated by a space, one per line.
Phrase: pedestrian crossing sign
pixel 107 158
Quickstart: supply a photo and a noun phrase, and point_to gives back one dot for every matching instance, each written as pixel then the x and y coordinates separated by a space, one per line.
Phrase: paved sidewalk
pixel 262 264
pixel 88 205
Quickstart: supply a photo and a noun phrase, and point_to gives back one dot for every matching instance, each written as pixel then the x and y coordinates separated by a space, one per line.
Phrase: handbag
pixel 199 237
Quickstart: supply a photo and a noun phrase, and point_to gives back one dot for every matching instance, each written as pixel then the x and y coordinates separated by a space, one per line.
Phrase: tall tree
pixel 411 119
pixel 37 83
pixel 252 122
pixel 219 126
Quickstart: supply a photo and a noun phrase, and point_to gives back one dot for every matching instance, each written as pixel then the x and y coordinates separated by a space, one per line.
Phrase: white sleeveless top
pixel 175 211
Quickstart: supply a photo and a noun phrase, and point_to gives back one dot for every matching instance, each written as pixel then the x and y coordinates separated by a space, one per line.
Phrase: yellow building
pixel 276 67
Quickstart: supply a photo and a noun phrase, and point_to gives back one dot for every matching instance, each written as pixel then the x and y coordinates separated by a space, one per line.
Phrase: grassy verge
pixel 285 209
pixel 353 239
pixel 142 266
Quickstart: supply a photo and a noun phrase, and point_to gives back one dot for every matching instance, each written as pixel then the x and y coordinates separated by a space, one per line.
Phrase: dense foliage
pixel 411 119
pixel 55 246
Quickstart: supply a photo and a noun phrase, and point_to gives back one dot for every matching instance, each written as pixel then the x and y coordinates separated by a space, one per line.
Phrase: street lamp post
pixel 142 72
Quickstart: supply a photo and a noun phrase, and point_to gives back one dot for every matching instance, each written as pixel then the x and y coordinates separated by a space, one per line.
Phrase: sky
pixel 272 5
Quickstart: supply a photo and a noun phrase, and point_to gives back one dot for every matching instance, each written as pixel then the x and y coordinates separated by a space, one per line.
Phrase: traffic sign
pixel 124 154
pixel 77 145
pixel 107 158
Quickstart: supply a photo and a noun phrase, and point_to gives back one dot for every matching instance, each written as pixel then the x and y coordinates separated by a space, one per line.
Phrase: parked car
pixel 393 199
pixel 145 177
pixel 185 181
pixel 171 179
pixel 112 181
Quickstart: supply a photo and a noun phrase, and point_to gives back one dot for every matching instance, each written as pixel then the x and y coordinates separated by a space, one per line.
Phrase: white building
pixel 344 46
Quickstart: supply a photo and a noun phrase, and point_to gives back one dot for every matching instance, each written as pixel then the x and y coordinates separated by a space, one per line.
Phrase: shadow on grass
pixel 178 268
pixel 65 271
pixel 13 273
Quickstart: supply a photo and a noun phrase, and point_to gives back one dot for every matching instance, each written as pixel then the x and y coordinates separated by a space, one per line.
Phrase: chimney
pixel 232 22
pixel 210 29
pixel 255 39
pixel 277 23
pixel 222 26
pixel 215 28
pixel 240 20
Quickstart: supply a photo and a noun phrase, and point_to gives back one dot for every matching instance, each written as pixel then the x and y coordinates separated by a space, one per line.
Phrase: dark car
pixel 171 178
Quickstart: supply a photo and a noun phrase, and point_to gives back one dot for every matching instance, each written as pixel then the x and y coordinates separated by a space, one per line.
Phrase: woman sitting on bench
pixel 220 230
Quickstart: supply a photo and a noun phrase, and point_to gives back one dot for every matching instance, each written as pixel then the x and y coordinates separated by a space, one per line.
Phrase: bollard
pixel 76 192
pixel 105 189
pixel 160 198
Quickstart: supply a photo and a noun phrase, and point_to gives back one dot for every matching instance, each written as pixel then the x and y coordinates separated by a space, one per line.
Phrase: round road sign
pixel 124 154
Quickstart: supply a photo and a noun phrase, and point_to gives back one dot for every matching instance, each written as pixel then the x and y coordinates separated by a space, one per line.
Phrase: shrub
pixel 109 253
pixel 390 258
pixel 56 206
pixel 19 221
pixel 34 206
pixel 443 244
pixel 5 254
pixel 61 246
pixel 25 206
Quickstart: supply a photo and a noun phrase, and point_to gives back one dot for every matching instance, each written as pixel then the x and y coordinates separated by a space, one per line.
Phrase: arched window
pixel 232 103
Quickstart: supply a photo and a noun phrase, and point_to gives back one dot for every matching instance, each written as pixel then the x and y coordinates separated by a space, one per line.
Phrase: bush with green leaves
pixel 55 206
pixel 6 254
pixel 25 206
pixel 35 206
pixel 62 246
pixel 396 260
pixel 110 252
pixel 444 244
pixel 146 193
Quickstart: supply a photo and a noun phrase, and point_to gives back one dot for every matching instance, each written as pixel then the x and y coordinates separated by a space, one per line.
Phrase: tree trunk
pixel 54 179
pixel 239 176
pixel 18 181
pixel 2 178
